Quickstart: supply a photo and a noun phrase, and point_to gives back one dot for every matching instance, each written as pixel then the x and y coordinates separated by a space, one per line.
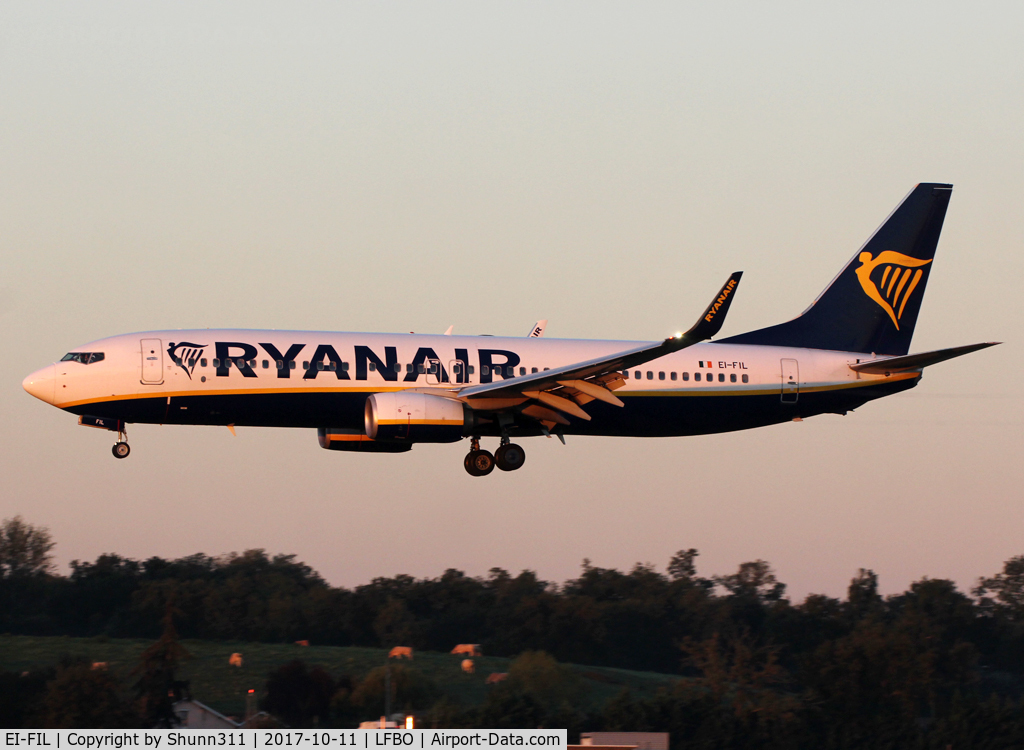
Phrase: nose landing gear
pixel 508 457
pixel 121 448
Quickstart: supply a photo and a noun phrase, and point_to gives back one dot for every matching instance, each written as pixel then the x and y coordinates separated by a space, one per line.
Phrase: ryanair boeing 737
pixel 381 393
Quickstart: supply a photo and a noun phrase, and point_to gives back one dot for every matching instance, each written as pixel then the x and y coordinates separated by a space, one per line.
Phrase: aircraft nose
pixel 42 384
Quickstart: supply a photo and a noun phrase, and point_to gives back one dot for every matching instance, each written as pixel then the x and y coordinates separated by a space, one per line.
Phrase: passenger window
pixel 625 374
pixel 546 369
pixel 672 375
pixel 409 367
pixel 650 375
pixel 471 369
pixel 485 370
pixel 320 365
pixel 334 366
pixel 398 367
pixel 661 376
pixel 202 362
pixel 510 371
pixel 344 366
pixel 373 367
pixel 721 377
pixel 696 376
pixel 686 376
pixel 216 363
pixel 732 377
pixel 420 369
pixel 192 362
pixel 533 370
pixel 280 364
pixel 305 365
pixel 746 379
pixel 291 364
pixel 522 370
pixel 266 364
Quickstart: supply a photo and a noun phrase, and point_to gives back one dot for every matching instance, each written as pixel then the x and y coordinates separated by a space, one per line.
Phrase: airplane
pixel 383 393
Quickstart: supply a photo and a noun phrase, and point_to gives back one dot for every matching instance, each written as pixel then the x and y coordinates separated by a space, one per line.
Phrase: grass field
pixel 218 684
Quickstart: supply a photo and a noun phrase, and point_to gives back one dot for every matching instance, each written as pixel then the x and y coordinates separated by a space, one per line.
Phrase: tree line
pixel 752 663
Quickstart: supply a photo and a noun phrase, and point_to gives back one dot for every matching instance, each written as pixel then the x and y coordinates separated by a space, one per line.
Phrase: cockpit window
pixel 86 358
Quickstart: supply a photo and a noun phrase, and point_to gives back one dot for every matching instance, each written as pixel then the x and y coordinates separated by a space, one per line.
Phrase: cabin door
pixel 152 361
pixel 790 381
pixel 435 373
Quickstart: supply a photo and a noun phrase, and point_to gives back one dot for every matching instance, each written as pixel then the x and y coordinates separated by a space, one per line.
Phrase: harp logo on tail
pixel 899 276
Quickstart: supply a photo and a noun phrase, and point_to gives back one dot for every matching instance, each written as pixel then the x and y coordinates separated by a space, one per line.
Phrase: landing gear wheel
pixel 510 457
pixel 479 463
pixel 121 450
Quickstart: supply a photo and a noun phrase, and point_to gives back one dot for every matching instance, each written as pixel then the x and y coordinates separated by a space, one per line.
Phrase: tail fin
pixel 872 305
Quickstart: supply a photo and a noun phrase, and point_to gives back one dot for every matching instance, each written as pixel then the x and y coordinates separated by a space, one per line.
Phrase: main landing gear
pixel 480 463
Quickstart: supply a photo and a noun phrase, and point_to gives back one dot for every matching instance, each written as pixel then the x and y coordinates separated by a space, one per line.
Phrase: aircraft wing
pixel 916 361
pixel 566 388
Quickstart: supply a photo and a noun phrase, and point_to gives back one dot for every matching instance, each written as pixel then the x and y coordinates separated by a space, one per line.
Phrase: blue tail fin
pixel 872 305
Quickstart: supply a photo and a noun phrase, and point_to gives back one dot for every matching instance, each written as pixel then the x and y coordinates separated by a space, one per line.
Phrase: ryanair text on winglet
pixel 721 300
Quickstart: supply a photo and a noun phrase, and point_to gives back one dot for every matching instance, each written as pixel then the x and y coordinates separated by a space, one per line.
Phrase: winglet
pixel 538 329
pixel 710 323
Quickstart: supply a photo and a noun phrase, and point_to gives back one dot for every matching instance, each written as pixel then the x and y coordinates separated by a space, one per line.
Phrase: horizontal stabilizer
pixel 917 361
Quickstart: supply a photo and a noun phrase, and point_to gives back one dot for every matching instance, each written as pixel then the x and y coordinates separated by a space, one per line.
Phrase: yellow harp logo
pixel 898 281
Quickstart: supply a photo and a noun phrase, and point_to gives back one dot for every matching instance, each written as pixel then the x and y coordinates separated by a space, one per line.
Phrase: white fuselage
pixel 181 370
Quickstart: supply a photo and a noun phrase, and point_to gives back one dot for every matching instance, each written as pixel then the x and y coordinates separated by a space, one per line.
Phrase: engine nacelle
pixel 416 418
pixel 347 439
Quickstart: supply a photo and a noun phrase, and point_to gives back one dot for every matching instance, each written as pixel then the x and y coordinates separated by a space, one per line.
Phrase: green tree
pixel 157 689
pixel 755 580
pixel 80 697
pixel 24 549
pixel 20 696
pixel 411 690
pixel 682 565
pixel 298 695
pixel 1004 592
pixel 862 598
pixel 539 675
pixel 741 673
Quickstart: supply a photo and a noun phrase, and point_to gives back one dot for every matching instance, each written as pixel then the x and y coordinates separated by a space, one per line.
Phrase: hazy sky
pixel 409 166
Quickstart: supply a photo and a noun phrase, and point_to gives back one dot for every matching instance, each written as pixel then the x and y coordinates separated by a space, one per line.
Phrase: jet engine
pixel 416 418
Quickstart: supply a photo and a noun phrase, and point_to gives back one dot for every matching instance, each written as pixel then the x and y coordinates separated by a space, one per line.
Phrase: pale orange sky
pixel 407 167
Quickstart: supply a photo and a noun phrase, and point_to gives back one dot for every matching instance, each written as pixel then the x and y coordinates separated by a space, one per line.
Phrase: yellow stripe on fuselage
pixel 760 390
pixel 230 392
pixel 751 390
